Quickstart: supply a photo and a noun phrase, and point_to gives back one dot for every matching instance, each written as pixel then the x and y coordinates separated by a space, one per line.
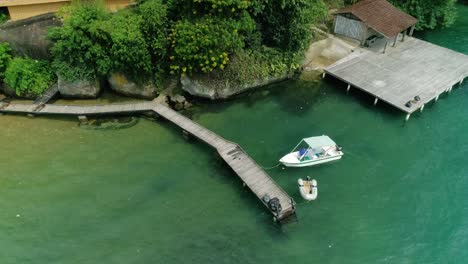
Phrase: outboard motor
pixel 275 205
pixel 339 148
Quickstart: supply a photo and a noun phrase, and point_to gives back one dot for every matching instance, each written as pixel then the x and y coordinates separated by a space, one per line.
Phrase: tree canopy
pixel 430 14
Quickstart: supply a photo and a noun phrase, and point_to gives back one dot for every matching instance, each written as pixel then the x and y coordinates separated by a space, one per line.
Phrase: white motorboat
pixel 308 189
pixel 312 151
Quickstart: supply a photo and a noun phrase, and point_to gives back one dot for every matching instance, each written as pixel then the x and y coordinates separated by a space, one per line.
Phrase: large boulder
pixel 204 87
pixel 79 89
pixel 10 92
pixel 28 37
pixel 121 84
pixel 7 90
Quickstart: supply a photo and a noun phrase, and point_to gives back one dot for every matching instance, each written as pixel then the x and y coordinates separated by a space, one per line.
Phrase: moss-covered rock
pixel 79 89
pixel 204 87
pixel 121 84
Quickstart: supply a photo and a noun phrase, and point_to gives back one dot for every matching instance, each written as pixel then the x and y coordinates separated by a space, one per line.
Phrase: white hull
pixel 308 189
pixel 291 160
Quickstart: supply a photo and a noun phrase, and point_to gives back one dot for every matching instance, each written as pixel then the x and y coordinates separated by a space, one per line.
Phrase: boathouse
pixel 22 9
pixel 370 19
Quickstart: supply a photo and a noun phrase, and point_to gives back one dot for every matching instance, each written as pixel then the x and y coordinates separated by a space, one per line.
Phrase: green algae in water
pixel 145 195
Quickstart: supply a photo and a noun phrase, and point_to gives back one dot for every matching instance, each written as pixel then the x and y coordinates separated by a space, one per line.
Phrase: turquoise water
pixel 145 195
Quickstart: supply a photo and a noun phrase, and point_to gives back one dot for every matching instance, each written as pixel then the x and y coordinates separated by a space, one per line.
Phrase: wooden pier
pixel 47 95
pixel 407 76
pixel 278 202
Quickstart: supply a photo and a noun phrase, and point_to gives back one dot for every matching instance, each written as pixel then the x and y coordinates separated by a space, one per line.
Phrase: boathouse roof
pixel 380 15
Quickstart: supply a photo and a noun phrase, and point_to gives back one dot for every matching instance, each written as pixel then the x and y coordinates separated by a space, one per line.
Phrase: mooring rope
pixel 270 168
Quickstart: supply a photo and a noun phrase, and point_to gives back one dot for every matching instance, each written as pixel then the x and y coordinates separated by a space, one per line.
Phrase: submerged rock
pixel 223 90
pixel 121 84
pixel 109 123
pixel 79 88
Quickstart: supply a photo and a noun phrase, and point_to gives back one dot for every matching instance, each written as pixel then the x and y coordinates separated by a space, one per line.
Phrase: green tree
pixel 430 14
pixel 154 26
pixel 5 57
pixel 286 24
pixel 129 50
pixel 81 46
pixel 29 77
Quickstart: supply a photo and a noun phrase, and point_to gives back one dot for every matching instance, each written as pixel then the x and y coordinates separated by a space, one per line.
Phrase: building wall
pixel 21 9
pixel 25 11
pixel 350 28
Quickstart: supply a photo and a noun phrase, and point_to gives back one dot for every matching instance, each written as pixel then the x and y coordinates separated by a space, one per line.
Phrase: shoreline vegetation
pixel 208 48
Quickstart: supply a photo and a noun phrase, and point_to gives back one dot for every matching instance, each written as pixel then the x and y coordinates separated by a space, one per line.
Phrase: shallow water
pixel 145 195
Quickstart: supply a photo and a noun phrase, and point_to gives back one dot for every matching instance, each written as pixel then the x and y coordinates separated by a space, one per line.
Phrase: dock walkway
pixel 251 174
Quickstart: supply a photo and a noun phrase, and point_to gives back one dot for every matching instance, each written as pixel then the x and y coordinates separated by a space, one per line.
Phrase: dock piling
pixel 376 101
pixel 407 117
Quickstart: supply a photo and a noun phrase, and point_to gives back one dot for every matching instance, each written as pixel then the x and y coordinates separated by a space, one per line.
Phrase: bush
pixel 430 14
pixel 129 52
pixel 250 65
pixel 5 57
pixel 81 46
pixel 204 45
pixel 154 26
pixel 287 24
pixel 29 77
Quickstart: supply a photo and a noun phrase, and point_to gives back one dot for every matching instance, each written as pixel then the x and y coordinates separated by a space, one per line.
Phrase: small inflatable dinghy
pixel 308 188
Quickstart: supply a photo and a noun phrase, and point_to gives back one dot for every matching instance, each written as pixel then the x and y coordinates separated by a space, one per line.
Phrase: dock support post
pixel 436 98
pixel 83 119
pixel 460 83
pixel 324 74
pixel 411 31
pixel 349 88
pixel 376 101
pixel 407 117
pixel 186 135
pixel 385 47
pixel 421 109
pixel 449 89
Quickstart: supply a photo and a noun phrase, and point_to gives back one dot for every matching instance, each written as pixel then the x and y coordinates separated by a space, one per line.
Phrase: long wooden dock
pixel 251 174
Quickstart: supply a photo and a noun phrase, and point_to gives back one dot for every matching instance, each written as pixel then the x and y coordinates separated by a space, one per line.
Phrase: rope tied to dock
pixel 273 167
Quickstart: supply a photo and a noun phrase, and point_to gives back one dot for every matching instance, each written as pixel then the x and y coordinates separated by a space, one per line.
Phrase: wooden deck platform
pixel 251 174
pixel 414 68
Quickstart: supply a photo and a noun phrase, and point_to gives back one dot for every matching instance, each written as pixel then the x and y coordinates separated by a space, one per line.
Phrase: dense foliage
pixel 159 37
pixel 93 43
pixel 154 27
pixel 256 64
pixel 128 52
pixel 29 77
pixel 81 48
pixel 5 57
pixel 286 24
pixel 203 46
pixel 430 14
